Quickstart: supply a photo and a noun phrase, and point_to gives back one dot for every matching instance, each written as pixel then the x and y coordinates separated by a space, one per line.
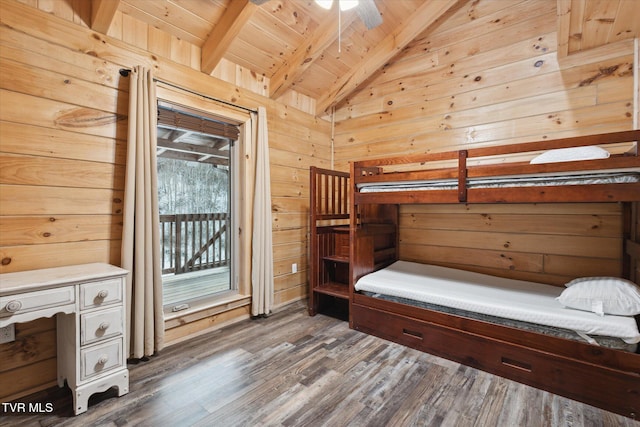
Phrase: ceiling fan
pixel 367 9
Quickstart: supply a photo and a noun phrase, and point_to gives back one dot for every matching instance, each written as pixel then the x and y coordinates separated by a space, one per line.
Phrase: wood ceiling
pixel 298 45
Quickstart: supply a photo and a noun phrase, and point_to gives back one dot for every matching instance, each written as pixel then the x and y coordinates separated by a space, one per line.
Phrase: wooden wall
pixel 63 120
pixel 490 75
pixel 636 78
pixel 156 41
pixel 549 243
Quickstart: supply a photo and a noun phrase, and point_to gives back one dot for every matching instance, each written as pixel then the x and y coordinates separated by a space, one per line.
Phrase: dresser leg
pixel 123 388
pixel 80 402
pixel 82 393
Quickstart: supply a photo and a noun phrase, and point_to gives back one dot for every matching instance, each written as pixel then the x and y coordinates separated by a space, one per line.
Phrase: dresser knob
pixel 104 326
pixel 103 359
pixel 103 294
pixel 13 306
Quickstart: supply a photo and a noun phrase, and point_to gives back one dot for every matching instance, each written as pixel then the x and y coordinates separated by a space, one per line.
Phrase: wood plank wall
pixel 154 40
pixel 489 75
pixel 548 243
pixel 635 226
pixel 63 111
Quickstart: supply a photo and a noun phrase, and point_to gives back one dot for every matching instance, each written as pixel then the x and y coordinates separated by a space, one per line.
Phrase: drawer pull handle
pixel 104 326
pixel 103 294
pixel 103 359
pixel 412 334
pixel 516 364
pixel 13 306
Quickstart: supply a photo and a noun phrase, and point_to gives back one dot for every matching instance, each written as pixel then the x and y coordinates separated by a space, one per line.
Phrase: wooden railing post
pixel 194 241
pixel 178 253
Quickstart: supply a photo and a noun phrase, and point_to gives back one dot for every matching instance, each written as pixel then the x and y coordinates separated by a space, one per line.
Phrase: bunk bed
pixel 329 241
pixel 606 375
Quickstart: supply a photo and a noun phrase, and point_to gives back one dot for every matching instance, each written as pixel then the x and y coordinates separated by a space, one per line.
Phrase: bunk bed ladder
pixel 329 238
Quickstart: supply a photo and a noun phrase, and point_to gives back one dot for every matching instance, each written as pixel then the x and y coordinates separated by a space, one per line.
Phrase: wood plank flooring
pixel 294 370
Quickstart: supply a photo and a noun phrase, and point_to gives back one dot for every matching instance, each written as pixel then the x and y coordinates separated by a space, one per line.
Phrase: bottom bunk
pixel 604 373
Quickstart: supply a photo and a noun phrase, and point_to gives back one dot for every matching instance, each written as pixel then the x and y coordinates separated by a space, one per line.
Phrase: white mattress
pixel 504 182
pixel 494 296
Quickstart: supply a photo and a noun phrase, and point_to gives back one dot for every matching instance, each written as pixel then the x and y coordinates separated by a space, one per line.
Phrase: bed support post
pixel 631 241
pixel 353 224
pixel 462 175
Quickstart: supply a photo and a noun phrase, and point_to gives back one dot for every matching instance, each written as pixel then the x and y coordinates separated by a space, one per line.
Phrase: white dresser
pixel 89 303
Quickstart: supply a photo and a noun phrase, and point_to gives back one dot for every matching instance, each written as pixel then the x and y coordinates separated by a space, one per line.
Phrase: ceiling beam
pixel 102 13
pixel 419 21
pixel 191 148
pixel 192 157
pixel 176 134
pixel 234 18
pixel 564 26
pixel 310 50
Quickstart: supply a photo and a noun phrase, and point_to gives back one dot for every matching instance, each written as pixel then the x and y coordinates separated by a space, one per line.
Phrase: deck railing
pixel 193 242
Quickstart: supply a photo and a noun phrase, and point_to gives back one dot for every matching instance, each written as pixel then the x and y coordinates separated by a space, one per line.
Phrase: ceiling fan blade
pixel 258 2
pixel 369 13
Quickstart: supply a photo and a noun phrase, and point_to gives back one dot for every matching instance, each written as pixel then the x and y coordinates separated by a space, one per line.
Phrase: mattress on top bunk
pixel 493 296
pixel 609 177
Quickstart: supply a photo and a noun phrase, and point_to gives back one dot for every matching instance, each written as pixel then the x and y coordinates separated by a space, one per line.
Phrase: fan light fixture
pixel 344 4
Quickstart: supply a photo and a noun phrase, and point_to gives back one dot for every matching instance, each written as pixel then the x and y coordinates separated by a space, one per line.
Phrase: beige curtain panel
pixel 262 241
pixel 141 228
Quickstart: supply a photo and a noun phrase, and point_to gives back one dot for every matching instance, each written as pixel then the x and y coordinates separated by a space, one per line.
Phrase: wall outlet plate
pixel 8 333
pixel 294 267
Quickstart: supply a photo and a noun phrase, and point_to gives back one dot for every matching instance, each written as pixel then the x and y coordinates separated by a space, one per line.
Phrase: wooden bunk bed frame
pixel 602 377
pixel 329 239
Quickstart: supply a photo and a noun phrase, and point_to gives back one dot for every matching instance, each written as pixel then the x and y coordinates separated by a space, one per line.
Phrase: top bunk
pixel 593 168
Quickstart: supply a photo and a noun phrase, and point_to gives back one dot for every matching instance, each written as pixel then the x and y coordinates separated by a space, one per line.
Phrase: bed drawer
pixel 98 294
pixel 576 379
pixel 101 358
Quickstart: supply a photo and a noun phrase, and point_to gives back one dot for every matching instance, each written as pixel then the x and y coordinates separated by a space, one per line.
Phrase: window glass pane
pixel 194 181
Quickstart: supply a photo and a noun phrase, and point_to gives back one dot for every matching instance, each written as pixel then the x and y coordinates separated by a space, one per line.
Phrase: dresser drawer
pixel 101 358
pixel 98 294
pixel 100 325
pixel 14 305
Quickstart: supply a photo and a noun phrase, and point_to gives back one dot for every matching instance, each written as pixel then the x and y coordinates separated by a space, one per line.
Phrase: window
pixel 195 181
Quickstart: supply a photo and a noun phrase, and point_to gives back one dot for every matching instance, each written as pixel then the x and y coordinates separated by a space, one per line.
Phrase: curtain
pixel 262 247
pixel 141 228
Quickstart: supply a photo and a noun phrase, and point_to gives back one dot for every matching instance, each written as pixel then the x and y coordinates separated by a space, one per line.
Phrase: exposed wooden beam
pixel 192 157
pixel 564 25
pixel 191 148
pixel 308 52
pixel 102 13
pixel 425 16
pixel 234 18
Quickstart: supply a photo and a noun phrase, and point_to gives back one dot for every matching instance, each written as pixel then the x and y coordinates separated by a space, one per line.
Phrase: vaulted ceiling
pixel 328 55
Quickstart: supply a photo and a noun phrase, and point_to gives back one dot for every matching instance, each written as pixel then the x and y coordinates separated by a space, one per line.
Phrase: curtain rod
pixel 124 72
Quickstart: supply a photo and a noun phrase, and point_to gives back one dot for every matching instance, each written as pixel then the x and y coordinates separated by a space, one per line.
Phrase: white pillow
pixel 590 152
pixel 602 295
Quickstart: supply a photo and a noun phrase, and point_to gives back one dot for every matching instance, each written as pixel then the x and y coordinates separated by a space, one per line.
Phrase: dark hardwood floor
pixel 294 370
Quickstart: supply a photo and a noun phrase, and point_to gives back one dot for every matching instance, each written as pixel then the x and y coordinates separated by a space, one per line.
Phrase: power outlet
pixel 7 334
pixel 294 267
